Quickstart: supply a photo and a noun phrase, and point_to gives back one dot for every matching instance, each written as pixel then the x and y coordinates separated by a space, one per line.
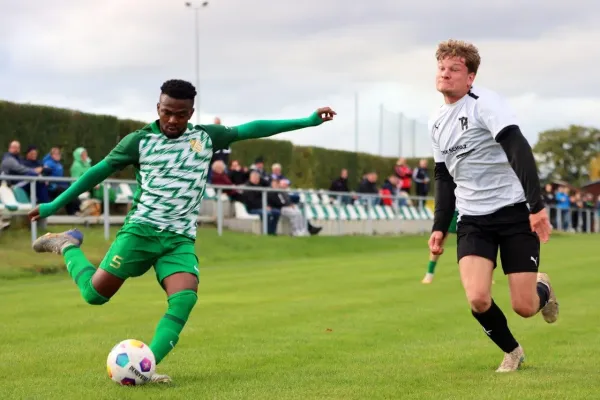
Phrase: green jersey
pixel 171 173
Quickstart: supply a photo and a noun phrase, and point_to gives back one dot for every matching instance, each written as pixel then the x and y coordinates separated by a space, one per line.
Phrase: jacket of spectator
pixel 279 200
pixel 404 173
pixel 223 179
pixel 562 200
pixel 80 166
pixel 238 177
pixel 367 186
pixel 55 169
pixel 252 199
pixel 421 179
pixel 339 185
pixel 12 164
pixel 387 185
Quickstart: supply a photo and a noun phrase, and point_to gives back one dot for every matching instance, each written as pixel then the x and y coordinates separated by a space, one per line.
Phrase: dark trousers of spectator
pixel 575 219
pixel 72 208
pixel 344 200
pixel 272 219
pixel 421 192
pixel 565 216
pixel 41 192
pixel 553 218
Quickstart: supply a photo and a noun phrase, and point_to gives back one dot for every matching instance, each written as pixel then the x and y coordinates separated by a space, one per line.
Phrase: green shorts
pixel 138 247
pixel 452 228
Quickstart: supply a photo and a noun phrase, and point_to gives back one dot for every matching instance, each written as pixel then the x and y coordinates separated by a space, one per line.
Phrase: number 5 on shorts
pixel 116 262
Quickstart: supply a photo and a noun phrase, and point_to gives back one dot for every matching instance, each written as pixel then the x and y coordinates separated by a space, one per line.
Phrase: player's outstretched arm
pixel 265 128
pixel 86 182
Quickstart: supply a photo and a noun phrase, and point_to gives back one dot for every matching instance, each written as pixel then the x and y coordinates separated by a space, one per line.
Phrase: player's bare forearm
pixel 86 182
pixel 265 128
pixel 520 156
pixel 445 200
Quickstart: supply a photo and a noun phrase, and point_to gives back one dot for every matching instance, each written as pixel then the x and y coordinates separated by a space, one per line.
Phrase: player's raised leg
pixel 177 271
pixel 476 276
pixel 96 286
pixel 530 291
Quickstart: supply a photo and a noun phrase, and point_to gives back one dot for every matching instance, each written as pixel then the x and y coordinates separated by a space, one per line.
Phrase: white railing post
pixel 219 212
pixel 264 212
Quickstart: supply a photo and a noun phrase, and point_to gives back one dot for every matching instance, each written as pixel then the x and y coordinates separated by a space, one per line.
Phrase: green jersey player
pixel 171 161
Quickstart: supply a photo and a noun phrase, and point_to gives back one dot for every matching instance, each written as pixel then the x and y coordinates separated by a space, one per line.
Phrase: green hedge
pixel 307 167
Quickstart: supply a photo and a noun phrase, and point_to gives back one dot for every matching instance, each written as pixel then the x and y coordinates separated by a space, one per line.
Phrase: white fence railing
pixel 368 200
pixel 567 220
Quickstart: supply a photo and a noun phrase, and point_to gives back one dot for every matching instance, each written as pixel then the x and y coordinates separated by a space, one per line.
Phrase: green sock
pixel 81 271
pixel 431 267
pixel 172 323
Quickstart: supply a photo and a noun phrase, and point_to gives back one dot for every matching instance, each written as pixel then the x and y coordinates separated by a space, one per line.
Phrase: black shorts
pixel 507 229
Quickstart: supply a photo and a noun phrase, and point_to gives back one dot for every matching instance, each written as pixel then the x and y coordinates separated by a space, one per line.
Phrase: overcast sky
pixel 285 58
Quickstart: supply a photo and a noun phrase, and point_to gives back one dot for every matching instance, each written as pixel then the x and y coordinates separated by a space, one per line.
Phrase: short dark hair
pixel 178 89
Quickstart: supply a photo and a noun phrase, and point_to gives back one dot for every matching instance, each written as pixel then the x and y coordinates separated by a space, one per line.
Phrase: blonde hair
pixel 462 49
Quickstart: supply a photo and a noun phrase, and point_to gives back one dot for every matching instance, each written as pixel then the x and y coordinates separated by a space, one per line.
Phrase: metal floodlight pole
pixel 197 7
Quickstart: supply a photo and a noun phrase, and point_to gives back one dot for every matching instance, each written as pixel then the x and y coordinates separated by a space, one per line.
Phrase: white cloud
pixel 283 59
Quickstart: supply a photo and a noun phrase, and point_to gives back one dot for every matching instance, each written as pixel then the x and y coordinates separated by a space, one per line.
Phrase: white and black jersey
pixel 464 137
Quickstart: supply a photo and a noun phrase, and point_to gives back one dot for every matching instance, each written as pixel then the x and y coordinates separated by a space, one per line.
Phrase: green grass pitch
pixel 304 318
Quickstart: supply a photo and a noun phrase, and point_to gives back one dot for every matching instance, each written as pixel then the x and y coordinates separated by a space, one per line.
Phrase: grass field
pixel 309 318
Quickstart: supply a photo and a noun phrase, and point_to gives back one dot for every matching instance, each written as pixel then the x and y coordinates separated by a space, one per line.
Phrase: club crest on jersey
pixel 196 145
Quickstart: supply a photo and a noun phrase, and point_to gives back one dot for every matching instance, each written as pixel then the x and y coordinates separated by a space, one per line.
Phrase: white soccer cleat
pixel 157 378
pixel 512 361
pixel 427 279
pixel 550 310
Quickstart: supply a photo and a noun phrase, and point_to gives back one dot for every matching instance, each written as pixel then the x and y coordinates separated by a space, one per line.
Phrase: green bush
pixel 306 166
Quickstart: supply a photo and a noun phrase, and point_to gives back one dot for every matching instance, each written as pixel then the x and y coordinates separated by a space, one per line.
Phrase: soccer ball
pixel 131 362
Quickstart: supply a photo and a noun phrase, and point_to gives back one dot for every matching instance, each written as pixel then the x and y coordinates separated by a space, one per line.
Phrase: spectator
pixel 389 190
pixel 276 172
pixel 252 199
pixel 404 173
pixel 237 174
pixel 421 180
pixel 12 164
pixel 576 206
pixel 550 201
pixel 563 204
pixel 55 169
pixel 295 199
pixel 369 186
pixel 219 177
pixel 259 166
pixel 31 161
pixel 341 185
pixel 587 213
pixel 222 154
pixel 81 163
pixel 281 201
